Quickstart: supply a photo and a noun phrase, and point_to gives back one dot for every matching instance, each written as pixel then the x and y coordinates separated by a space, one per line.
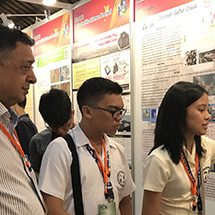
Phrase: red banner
pixel 52 35
pixel 96 17
pixel 144 8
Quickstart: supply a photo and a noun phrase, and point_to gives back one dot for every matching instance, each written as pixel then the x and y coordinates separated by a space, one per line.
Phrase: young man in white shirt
pixel 102 108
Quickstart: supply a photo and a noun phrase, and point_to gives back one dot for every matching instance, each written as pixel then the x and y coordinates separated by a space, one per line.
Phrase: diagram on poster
pixel 116 67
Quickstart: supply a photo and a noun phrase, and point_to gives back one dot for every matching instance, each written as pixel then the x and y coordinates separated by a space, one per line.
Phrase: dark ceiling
pixel 20 7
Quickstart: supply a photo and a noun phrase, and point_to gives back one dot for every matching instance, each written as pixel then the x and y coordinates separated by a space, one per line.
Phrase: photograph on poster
pixel 125 123
pixel 207 56
pixel 146 114
pixel 206 81
pixel 122 8
pixel 65 73
pixel 54 74
pixel 123 40
pixel 153 115
pixel 211 110
pixel 116 67
pixel 102 44
pixel 60 74
pixel 66 87
pixel 62 86
pixel 190 58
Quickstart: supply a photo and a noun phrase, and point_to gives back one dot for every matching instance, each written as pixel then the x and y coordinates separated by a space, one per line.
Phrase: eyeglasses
pixel 66 126
pixel 115 113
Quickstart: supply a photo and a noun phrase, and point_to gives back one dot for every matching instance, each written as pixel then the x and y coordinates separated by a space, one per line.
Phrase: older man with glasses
pixel 105 177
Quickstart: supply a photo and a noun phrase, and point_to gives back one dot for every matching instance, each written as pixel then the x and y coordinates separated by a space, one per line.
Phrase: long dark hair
pixel 170 125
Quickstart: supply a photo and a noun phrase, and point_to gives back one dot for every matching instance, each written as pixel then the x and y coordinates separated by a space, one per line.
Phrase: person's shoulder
pixel 58 146
pixel 160 154
pixel 112 142
pixel 43 134
pixel 25 120
pixel 207 142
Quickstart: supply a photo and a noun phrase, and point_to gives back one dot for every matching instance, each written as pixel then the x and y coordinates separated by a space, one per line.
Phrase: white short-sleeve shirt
pixel 160 174
pixel 55 176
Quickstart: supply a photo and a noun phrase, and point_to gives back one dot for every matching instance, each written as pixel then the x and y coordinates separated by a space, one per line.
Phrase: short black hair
pixel 93 90
pixel 8 41
pixel 22 103
pixel 55 107
pixel 171 120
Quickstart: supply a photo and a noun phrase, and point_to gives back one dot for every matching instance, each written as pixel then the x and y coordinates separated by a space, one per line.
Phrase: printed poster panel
pixel 96 17
pixel 85 70
pixel 29 103
pixel 180 51
pixel 147 8
pixel 125 141
pixel 116 67
pixel 111 41
pixel 77 116
pixel 123 135
pixel 176 44
pixel 53 70
pixel 29 108
pixel 52 35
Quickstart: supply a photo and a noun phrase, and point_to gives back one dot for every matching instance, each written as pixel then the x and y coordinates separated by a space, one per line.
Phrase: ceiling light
pixel 49 2
pixel 7 22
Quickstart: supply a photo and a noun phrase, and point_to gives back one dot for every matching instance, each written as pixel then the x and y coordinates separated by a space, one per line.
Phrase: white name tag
pixel 107 209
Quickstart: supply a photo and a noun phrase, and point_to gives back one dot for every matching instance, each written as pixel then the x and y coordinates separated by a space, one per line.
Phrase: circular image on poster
pixel 66 30
pixel 207 3
pixel 122 7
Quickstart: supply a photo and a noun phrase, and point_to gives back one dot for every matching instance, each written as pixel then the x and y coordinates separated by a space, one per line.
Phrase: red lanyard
pixel 193 181
pixel 104 170
pixel 15 143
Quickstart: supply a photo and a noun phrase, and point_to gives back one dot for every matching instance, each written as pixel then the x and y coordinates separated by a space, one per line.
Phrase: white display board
pixel 177 44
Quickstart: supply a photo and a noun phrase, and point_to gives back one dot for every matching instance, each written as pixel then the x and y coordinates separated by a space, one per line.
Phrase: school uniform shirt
pixel 55 175
pixel 160 174
pixel 17 195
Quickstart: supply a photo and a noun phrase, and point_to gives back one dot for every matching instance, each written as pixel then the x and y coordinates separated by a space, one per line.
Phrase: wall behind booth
pixel 144 45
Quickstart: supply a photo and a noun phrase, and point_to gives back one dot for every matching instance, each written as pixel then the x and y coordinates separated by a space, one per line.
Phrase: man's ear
pixel 86 112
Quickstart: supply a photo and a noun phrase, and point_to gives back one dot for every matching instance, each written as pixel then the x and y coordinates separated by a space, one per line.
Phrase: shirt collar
pixel 81 139
pixel 3 110
pixel 190 157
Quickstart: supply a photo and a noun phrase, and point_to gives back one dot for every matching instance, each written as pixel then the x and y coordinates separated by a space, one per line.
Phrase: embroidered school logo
pixel 121 178
pixel 206 171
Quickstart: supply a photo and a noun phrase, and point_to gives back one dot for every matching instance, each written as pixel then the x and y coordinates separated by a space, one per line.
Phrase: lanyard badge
pixel 195 182
pixel 104 169
pixel 17 145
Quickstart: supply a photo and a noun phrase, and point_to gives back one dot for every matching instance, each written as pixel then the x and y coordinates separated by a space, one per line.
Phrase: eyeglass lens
pixel 118 113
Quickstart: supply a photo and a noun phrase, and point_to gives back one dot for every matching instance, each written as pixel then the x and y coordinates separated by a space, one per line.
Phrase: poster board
pixel 172 45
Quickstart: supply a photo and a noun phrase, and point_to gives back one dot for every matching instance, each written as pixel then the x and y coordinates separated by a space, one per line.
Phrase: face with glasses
pixel 106 115
pixel 63 129
pixel 115 113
